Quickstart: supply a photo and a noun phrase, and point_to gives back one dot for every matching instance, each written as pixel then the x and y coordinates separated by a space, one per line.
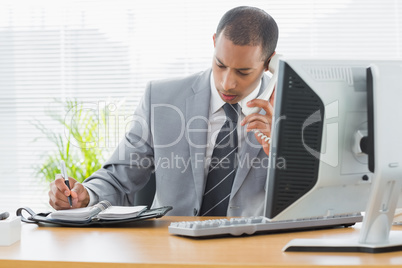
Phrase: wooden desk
pixel 149 244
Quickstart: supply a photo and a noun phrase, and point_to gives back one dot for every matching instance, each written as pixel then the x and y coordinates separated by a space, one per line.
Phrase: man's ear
pixel 266 66
pixel 214 38
pixel 268 61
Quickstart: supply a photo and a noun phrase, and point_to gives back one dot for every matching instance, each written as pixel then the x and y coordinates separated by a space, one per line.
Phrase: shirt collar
pixel 217 102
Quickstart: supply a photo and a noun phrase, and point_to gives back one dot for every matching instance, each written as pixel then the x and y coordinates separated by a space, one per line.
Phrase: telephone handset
pixel 273 66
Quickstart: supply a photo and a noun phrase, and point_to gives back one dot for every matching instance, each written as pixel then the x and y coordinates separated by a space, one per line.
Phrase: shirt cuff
pixel 93 198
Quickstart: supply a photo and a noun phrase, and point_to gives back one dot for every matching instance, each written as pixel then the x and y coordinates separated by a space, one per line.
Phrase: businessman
pixel 193 133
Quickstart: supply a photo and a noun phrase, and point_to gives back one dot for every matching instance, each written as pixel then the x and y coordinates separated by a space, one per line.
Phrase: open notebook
pixel 100 214
pixel 103 210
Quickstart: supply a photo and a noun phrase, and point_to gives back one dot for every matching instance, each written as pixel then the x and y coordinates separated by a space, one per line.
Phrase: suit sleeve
pixel 131 164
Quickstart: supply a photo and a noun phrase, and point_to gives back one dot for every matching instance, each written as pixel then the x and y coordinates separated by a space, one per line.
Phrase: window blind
pixel 104 52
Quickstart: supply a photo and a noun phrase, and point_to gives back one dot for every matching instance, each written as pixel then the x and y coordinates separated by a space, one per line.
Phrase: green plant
pixel 77 144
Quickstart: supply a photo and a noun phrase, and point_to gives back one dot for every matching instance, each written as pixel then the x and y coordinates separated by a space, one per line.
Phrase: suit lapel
pixel 197 112
pixel 248 152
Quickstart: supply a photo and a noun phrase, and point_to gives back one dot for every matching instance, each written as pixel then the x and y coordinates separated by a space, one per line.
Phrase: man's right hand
pixel 59 192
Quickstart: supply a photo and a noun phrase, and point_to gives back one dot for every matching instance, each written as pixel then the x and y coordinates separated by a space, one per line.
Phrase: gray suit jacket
pixel 169 137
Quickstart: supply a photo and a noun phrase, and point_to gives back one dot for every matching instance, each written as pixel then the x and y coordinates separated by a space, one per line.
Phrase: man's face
pixel 237 69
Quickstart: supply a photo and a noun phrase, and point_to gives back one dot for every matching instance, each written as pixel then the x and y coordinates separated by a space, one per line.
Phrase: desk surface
pixel 149 244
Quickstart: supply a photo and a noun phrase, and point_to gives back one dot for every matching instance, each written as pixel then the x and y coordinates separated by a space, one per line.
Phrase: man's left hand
pixel 260 122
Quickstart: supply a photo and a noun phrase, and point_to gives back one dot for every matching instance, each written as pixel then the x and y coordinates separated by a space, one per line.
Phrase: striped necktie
pixel 222 169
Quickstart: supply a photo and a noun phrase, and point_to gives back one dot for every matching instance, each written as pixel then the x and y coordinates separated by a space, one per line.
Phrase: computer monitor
pixel 331 119
pixel 384 92
pixel 320 114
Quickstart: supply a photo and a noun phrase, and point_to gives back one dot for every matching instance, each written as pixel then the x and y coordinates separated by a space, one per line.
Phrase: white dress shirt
pixel 217 118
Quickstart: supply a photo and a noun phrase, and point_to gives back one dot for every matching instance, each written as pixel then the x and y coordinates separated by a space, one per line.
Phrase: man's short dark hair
pixel 250 26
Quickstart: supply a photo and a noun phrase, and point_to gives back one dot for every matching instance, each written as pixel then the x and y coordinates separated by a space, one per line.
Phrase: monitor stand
pixel 341 245
pixel 375 236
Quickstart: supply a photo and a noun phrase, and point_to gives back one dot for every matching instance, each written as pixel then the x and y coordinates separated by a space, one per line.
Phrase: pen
pixel 4 215
pixel 65 176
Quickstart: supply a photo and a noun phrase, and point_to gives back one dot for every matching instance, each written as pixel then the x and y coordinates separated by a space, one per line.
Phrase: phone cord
pixel 262 135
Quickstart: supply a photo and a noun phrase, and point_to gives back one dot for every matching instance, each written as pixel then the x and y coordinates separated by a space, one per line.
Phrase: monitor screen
pixel 318 167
